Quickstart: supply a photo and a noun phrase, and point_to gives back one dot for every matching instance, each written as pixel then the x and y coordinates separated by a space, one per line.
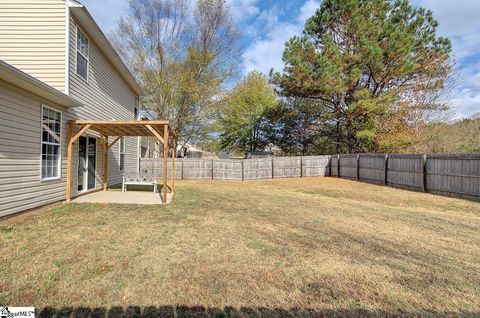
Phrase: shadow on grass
pixel 228 312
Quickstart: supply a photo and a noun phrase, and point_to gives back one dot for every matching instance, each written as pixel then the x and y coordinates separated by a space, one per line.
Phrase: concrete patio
pixel 129 197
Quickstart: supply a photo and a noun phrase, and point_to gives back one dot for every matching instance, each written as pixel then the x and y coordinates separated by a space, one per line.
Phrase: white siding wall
pixel 106 96
pixel 20 148
pixel 32 38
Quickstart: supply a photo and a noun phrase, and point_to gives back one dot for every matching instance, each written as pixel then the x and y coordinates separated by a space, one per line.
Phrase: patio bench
pixel 139 179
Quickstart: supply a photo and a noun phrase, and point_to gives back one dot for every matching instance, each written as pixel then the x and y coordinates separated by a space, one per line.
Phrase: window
pixel 135 112
pixel 122 153
pixel 82 54
pixel 51 136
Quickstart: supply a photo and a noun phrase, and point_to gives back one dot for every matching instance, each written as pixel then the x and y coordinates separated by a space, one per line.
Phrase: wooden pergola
pixel 160 129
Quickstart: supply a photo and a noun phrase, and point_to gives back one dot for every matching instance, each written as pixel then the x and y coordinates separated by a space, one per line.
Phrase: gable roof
pixel 81 14
pixel 14 76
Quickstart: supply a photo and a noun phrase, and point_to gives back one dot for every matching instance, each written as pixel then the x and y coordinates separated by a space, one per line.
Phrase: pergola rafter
pixel 159 129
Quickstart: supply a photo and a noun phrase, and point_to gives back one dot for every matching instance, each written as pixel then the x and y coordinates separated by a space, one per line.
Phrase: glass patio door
pixel 87 163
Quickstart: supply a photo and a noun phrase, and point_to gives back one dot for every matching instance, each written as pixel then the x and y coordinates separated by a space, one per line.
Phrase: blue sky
pixel 267 24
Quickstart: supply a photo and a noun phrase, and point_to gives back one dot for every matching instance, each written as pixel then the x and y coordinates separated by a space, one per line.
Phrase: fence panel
pixel 156 165
pixel 260 168
pixel 227 169
pixel 287 167
pixel 454 174
pixel 196 169
pixel 348 166
pixel 316 166
pixel 372 167
pixel 405 171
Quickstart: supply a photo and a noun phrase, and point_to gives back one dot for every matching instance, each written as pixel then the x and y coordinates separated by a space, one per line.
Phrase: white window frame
pixel 59 177
pixel 120 153
pixel 86 57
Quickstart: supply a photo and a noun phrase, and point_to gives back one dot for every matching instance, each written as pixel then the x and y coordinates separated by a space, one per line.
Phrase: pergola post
pixel 105 163
pixel 69 162
pixel 165 161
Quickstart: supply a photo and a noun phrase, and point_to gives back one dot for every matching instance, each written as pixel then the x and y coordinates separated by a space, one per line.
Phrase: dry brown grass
pixel 332 246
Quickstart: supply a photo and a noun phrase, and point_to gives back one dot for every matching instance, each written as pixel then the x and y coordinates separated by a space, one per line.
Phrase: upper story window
pixel 122 153
pixel 82 54
pixel 51 140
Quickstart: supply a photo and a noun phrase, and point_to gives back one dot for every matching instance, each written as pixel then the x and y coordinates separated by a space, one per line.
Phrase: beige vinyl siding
pixel 33 38
pixel 106 95
pixel 20 148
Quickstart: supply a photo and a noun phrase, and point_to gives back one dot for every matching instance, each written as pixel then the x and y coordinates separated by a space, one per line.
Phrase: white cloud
pixel 243 9
pixel 458 20
pixel 265 52
pixel 307 10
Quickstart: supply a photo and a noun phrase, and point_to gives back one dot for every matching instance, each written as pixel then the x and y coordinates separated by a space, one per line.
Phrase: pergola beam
pixel 156 134
pixel 106 131
pixel 81 132
pixel 124 130
pixel 120 122
pixel 113 142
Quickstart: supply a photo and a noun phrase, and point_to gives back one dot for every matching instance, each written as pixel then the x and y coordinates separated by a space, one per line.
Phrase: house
pixel 57 65
pixel 260 154
pixel 190 150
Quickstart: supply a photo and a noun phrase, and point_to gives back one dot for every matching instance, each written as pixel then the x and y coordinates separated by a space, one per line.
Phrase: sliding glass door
pixel 87 163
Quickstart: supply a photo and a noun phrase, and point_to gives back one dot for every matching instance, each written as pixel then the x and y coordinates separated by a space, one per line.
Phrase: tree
pixel 294 127
pixel 451 137
pixel 181 53
pixel 242 114
pixel 366 61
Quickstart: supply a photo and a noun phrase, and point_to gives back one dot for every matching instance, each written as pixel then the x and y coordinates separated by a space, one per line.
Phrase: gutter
pixel 14 76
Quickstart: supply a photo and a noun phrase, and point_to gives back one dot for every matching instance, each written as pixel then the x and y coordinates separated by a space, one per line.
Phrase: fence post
pixel 385 180
pixel 330 165
pixel 338 166
pixel 182 169
pixel 212 168
pixel 243 177
pixel 358 167
pixel 424 173
pixel 273 173
pixel 301 167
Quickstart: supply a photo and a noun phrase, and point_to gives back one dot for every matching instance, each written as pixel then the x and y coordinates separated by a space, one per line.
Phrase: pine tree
pixel 363 60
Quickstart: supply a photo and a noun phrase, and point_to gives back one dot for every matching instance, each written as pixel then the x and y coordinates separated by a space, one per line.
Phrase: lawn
pixel 273 248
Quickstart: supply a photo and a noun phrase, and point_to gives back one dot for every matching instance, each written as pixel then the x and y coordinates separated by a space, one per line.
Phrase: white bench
pixel 139 179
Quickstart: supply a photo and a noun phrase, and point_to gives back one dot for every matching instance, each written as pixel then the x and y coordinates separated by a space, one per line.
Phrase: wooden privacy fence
pixel 243 169
pixel 448 174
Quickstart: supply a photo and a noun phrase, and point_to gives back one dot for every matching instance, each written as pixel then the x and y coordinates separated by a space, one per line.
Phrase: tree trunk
pixel 339 132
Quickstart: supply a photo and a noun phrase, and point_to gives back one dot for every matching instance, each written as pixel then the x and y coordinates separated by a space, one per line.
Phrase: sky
pixel 267 24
